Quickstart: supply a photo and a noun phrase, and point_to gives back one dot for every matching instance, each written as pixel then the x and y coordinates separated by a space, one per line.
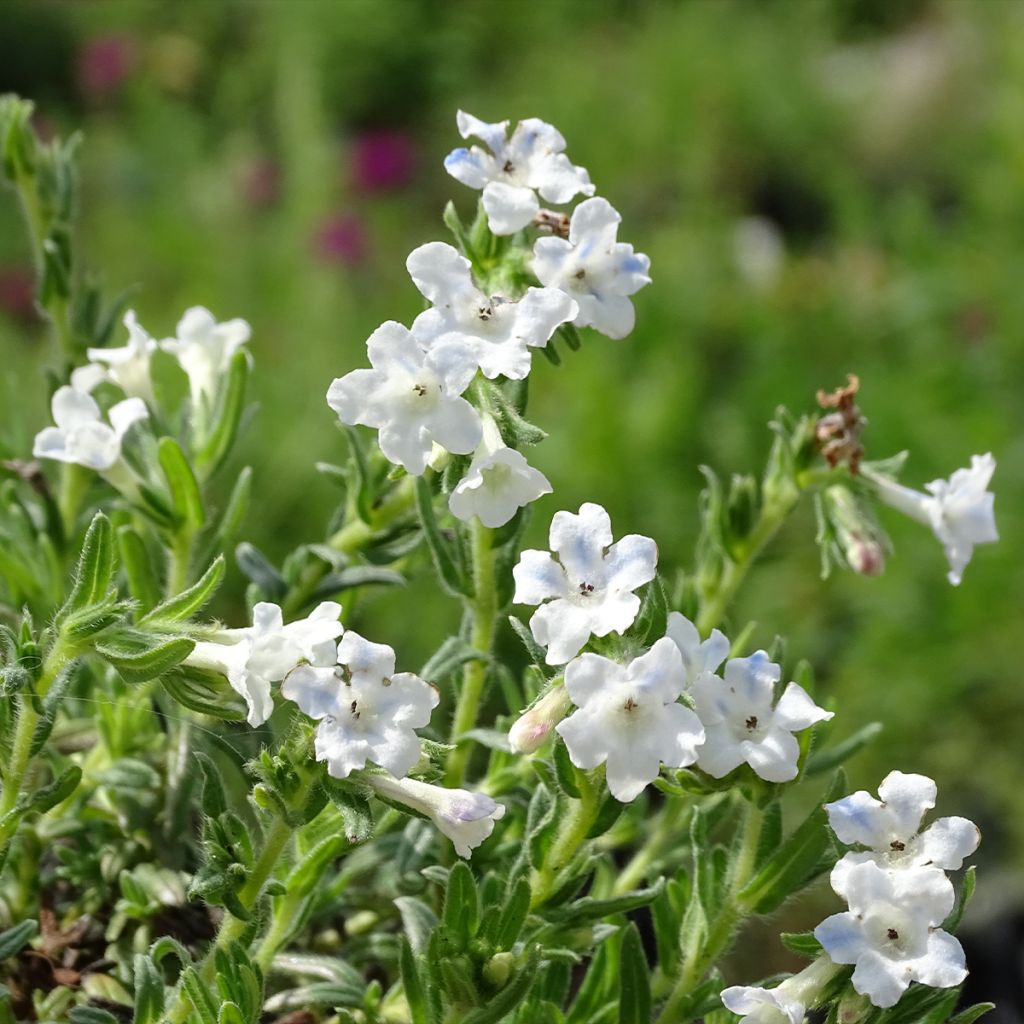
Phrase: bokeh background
pixel 823 188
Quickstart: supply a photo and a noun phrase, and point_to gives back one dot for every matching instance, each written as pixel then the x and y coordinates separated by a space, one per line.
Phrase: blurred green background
pixel 823 188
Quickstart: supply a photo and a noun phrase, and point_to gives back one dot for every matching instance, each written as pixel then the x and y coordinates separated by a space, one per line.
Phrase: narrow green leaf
pixel 229 414
pixel 214 799
pixel 199 996
pixel 186 497
pixel 15 939
pixel 972 1013
pixel 461 916
pixel 440 550
pixel 356 814
pixel 832 757
pixel 418 920
pixel 255 565
pixel 140 656
pixel 952 923
pixel 513 915
pixel 635 985
pixel 142 581
pixel 52 793
pixel 801 943
pixel 412 983
pixel 95 570
pixel 188 602
pixel 356 576
pixel 566 771
pixel 149 991
pixel 589 908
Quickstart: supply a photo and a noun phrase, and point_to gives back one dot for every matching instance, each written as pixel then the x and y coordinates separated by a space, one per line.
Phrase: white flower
pixel 204 349
pixel 891 828
pixel 254 657
pixel 698 656
pixel 628 717
pixel 533 726
pixel 367 711
pixel 591 584
pixel 81 437
pixel 467 819
pixel 498 332
pixel 411 397
pixel 892 932
pixel 596 270
pixel 532 159
pixel 742 725
pixel 959 510
pixel 127 367
pixel 786 1003
pixel 497 484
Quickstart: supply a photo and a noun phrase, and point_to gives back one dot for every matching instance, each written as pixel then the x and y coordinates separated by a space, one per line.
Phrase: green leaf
pixel 832 757
pixel 966 892
pixel 461 915
pixel 207 693
pixel 448 658
pixel 95 571
pixel 230 1013
pixel 635 985
pixel 138 567
pixel 412 983
pixel 801 943
pixel 140 656
pixel 221 440
pixel 513 915
pixel 534 649
pixel 255 565
pixel 199 996
pixel 418 920
pixel 589 908
pixel 356 576
pixel 15 939
pixel 452 578
pixel 972 1013
pixel 356 815
pixel 313 863
pixel 91 1015
pixel 190 601
pixel 52 793
pixel 149 991
pixel 214 799
pixel 566 771
pixel 186 498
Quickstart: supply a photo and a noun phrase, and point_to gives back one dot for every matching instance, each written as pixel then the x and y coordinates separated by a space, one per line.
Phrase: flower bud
pixel 531 729
pixel 853 1008
pixel 498 969
pixel 848 531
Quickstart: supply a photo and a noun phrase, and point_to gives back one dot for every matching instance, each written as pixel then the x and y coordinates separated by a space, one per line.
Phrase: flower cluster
pixel 896 889
pixel 628 714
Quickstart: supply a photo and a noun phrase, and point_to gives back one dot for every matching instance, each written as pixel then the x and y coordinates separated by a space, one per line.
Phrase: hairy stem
pixel 474 675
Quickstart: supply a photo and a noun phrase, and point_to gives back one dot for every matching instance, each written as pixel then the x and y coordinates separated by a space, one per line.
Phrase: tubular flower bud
pixel 532 728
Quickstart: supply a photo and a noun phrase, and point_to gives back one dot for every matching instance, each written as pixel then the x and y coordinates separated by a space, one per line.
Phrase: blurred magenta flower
pixel 17 293
pixel 383 160
pixel 104 63
pixel 341 239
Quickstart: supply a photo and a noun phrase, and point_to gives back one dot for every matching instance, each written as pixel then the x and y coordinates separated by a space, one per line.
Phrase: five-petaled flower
pixel 891 829
pixel 629 719
pixel 741 724
pixel 367 711
pixel 127 366
pixel 599 272
pixel 81 437
pixel 698 655
pixel 516 168
pixel 959 510
pixel 891 932
pixel 411 397
pixel 466 818
pixel 255 656
pixel 497 331
pixel 589 589
pixel 203 348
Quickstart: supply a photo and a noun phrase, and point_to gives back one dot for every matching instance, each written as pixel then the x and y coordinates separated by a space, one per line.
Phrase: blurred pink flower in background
pixel 342 238
pixel 104 63
pixel 17 293
pixel 383 160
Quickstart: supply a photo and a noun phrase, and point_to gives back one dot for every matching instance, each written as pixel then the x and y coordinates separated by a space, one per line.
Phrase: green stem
pixel 664 836
pixel 474 676
pixel 713 606
pixel 703 950
pixel 572 834
pixel 21 748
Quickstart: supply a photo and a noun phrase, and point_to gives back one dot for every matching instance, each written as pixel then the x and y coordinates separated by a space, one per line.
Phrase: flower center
pixel 898 846
pixel 420 389
pixel 586 589
pixel 751 723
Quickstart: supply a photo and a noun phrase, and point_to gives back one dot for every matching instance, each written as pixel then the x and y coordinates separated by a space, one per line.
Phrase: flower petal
pixel 589 676
pixel 881 980
pixel 315 690
pixel 907 798
pixel 947 841
pixel 509 207
pixel 659 672
pixel 774 756
pixel 537 577
pixel 580 541
pixel 442 274
pixel 631 562
pixel 796 711
pixel 73 408
pixel 842 937
pixel 455 425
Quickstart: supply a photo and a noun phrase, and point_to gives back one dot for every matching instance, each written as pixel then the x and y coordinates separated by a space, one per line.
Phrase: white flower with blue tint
pixel 516 169
pixel 698 655
pixel 368 713
pixel 589 590
pixel 892 933
pixel 959 510
pixel 628 718
pixel 82 437
pixel 497 484
pixel 890 827
pixel 597 271
pixel 743 726
pixel 466 818
pixel 787 1003
pixel 256 656
pixel 499 333
pixel 411 396
pixel 203 348
pixel 127 366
